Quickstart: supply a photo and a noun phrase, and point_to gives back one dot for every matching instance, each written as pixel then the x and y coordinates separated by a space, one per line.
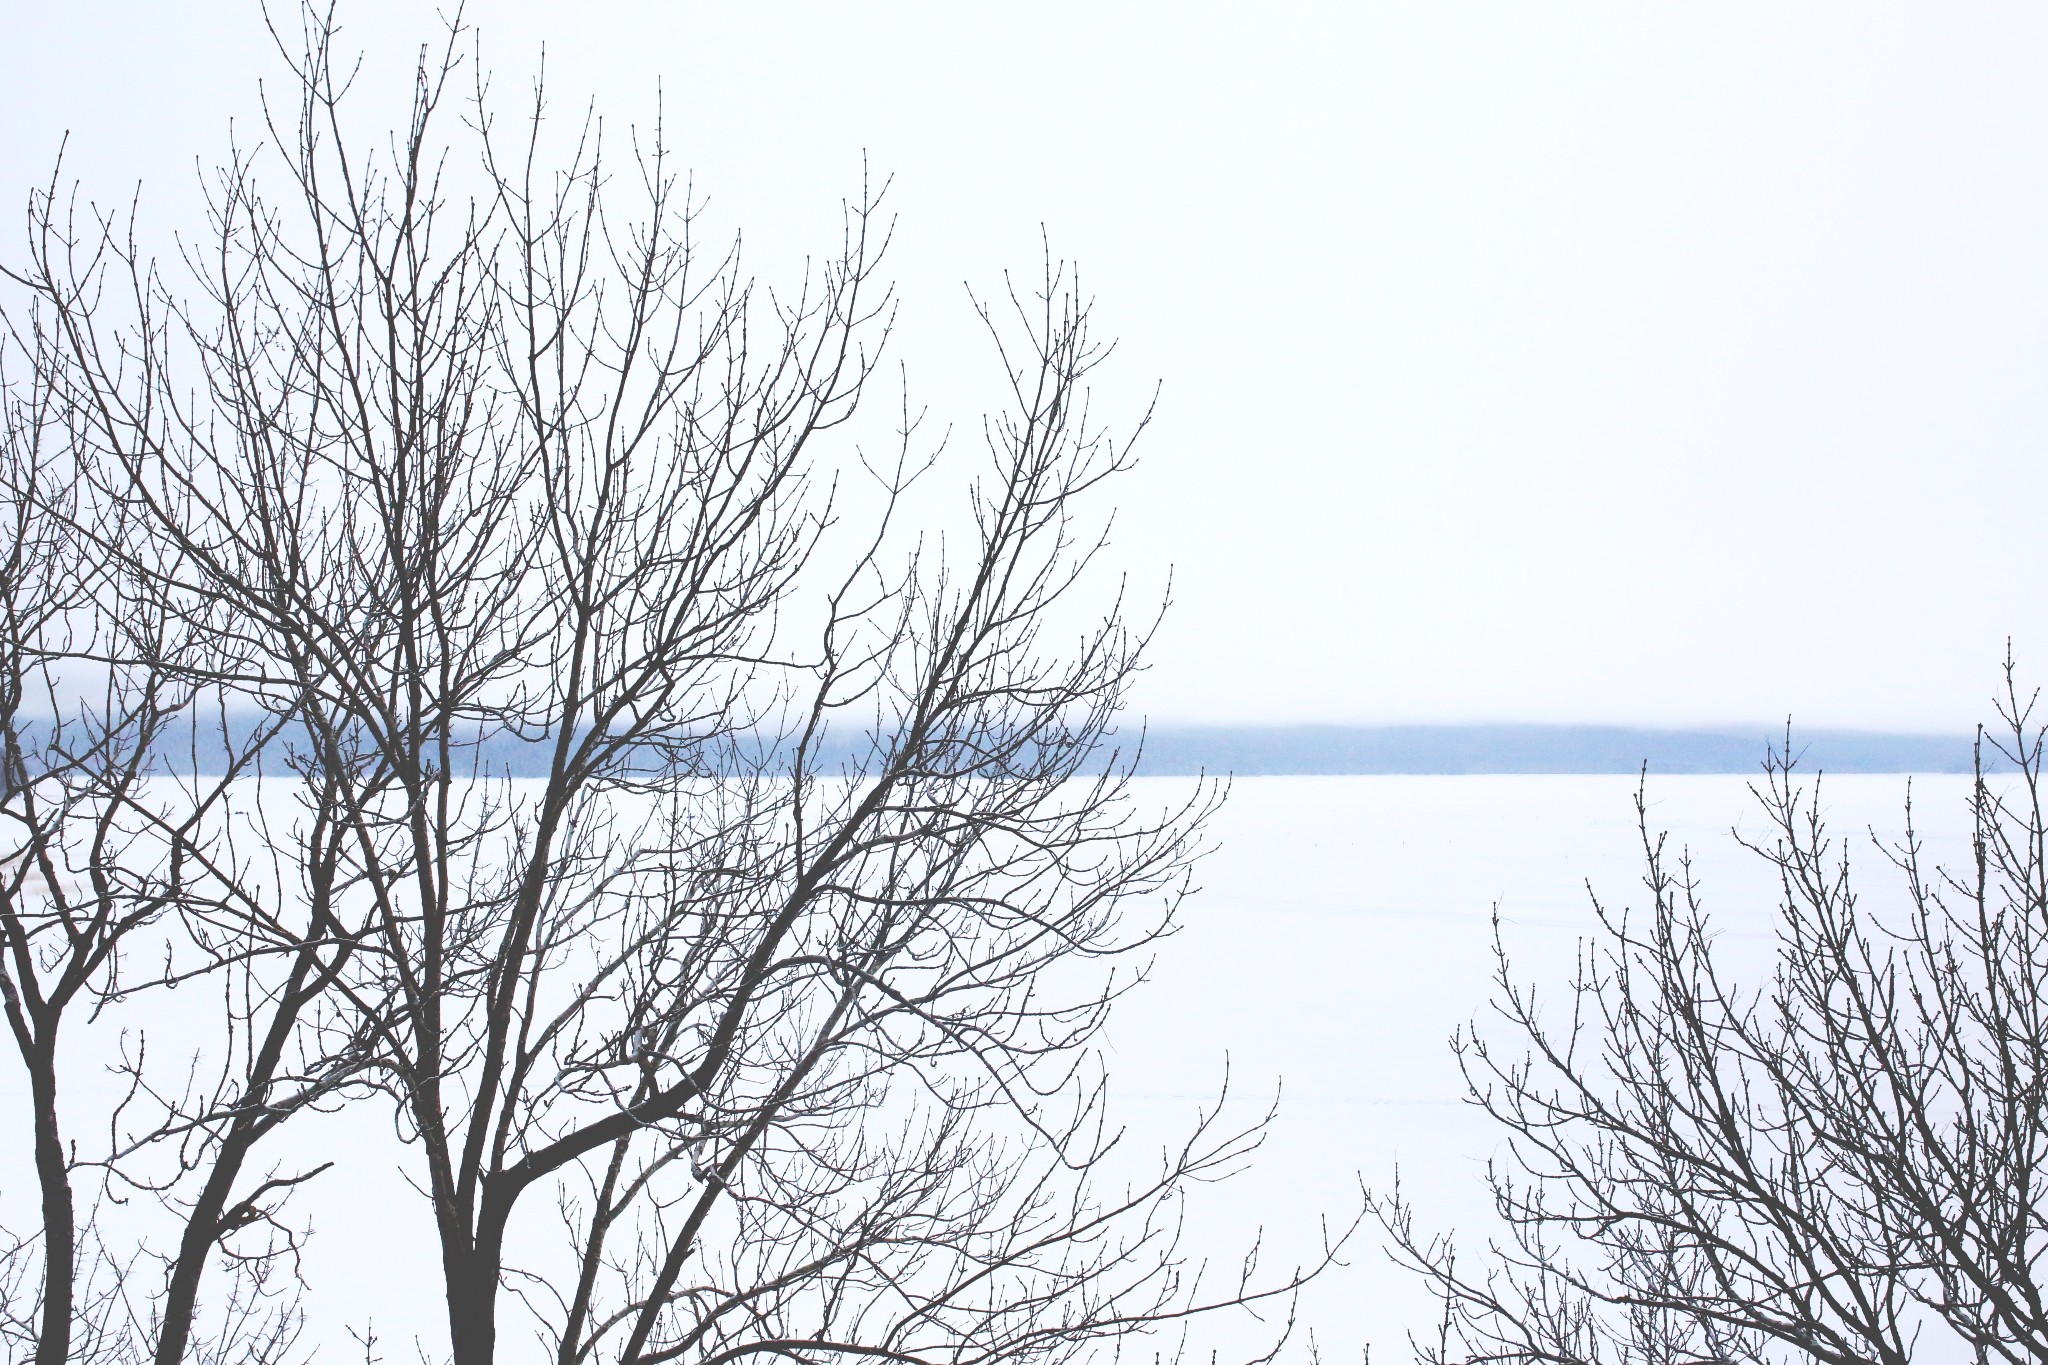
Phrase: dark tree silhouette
pixel 1843 1163
pixel 123 874
pixel 695 852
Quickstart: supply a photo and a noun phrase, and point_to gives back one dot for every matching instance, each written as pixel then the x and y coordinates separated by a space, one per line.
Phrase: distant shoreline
pixel 1170 750
pixel 1474 750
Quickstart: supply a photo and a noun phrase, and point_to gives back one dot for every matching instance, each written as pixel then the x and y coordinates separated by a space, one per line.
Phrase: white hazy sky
pixel 1634 363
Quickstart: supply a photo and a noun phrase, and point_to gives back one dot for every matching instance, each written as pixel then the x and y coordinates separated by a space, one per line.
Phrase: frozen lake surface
pixel 1341 933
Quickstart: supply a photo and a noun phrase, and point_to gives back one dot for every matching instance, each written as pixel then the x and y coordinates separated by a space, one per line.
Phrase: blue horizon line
pixel 1315 749
pixel 1310 749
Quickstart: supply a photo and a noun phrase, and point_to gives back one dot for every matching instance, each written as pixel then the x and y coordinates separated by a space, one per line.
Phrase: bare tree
pixel 1845 1163
pixel 122 877
pixel 691 849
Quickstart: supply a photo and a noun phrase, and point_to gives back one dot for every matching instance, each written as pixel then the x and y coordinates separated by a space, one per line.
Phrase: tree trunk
pixel 473 1303
pixel 202 1230
pixel 203 1227
pixel 60 1222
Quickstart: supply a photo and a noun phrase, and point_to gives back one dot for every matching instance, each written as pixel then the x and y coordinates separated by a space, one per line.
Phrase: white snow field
pixel 1342 931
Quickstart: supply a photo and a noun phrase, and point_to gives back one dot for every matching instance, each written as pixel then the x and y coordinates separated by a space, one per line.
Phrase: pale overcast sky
pixel 1632 363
